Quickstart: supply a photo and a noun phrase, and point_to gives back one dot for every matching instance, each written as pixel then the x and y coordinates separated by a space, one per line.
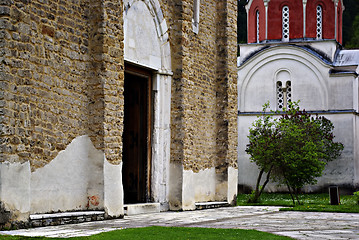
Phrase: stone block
pixel 142 208
pixel 4 11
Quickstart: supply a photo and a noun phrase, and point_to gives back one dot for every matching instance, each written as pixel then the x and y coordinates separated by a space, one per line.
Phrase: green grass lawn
pixel 165 233
pixel 310 202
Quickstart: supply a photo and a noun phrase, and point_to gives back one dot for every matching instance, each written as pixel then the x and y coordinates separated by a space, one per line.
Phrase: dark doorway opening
pixel 137 135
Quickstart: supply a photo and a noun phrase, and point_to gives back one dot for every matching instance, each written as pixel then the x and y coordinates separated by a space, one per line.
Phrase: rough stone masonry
pixel 62 104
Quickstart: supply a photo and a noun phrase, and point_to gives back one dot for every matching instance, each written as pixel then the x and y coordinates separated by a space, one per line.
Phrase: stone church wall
pixel 203 121
pixel 61 104
pixel 62 76
pixel 57 78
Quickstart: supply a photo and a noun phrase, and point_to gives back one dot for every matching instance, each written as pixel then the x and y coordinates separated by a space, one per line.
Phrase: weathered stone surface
pixel 54 72
pixel 203 117
pixel 204 97
pixel 4 214
pixel 62 77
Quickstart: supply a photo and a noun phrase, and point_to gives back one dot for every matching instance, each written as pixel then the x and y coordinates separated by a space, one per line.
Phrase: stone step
pixel 207 205
pixel 141 208
pixel 52 219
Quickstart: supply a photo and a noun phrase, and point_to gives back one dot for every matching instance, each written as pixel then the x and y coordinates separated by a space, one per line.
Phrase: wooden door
pixel 137 138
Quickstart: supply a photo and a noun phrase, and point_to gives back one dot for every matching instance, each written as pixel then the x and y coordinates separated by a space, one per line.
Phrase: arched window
pixel 285 24
pixel 284 94
pixel 319 22
pixel 288 92
pixel 257 26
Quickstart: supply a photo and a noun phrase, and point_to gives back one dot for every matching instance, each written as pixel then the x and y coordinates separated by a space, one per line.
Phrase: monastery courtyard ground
pixel 298 225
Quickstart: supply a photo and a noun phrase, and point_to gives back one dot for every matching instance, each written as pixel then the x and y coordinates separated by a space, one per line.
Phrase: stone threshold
pixel 53 219
pixel 208 205
pixel 141 208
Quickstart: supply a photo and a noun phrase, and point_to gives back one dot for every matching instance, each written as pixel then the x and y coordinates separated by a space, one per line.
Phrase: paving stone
pixel 298 225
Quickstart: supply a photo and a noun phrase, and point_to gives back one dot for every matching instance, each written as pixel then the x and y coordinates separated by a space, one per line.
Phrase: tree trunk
pixel 267 180
pixel 296 196
pixel 290 192
pixel 254 198
pixel 259 190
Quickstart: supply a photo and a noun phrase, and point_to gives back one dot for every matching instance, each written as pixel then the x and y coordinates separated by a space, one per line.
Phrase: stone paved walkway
pixel 298 225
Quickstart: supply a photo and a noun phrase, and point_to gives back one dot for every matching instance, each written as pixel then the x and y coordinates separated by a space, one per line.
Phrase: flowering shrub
pixel 292 150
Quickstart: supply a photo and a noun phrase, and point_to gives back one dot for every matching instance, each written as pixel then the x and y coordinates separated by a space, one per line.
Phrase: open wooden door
pixel 137 135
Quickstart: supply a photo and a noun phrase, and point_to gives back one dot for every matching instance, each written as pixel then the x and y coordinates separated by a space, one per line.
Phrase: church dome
pixel 286 20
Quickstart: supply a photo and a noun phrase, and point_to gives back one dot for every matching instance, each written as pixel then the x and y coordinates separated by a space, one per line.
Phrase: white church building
pixel 294 53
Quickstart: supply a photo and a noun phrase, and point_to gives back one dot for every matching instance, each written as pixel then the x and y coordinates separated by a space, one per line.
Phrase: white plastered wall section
pixel 70 180
pixel 257 78
pixel 188 188
pixel 316 89
pixel 78 178
pixel 356 132
pixel 199 186
pixel 206 186
pixel 15 190
pixel 146 35
pixel 147 45
pixel 356 152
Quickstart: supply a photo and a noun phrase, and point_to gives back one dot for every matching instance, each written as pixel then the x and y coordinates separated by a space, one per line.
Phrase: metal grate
pixel 285 23
pixel 284 94
pixel 288 92
pixel 319 22
pixel 280 96
pixel 257 21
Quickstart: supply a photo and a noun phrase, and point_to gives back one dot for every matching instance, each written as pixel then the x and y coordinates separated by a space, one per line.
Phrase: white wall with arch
pixel 258 76
pixel 318 88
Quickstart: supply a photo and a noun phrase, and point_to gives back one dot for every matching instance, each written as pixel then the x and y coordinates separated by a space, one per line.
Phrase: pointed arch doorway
pixel 137 135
